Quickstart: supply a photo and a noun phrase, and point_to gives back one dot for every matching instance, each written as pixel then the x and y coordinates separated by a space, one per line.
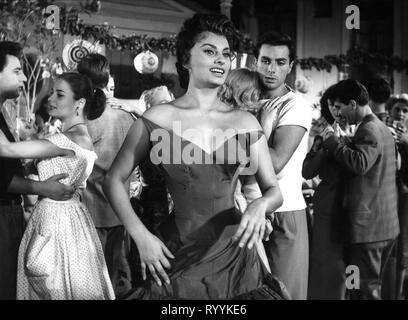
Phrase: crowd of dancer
pixel 220 213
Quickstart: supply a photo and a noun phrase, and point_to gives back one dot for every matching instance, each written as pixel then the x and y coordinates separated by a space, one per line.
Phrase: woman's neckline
pixel 74 125
pixel 171 131
pixel 72 141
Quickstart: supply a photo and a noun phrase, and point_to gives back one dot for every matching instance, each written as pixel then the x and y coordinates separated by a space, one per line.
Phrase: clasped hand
pixel 331 130
pixel 56 190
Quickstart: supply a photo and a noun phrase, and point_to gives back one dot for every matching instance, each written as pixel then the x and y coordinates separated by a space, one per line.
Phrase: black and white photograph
pixel 203 153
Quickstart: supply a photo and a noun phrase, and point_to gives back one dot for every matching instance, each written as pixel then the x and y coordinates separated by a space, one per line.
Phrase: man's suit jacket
pixel 370 198
pixel 8 167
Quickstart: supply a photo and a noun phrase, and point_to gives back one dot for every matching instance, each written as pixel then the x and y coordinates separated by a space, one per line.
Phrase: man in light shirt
pixel 286 119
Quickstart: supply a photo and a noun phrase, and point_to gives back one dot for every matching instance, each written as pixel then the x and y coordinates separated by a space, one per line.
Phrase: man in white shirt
pixel 286 119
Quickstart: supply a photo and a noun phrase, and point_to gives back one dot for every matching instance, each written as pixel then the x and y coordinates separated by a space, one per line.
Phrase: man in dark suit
pixel 370 199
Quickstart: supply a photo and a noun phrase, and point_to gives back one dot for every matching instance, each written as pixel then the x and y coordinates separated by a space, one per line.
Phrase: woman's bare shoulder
pixel 81 139
pixel 161 113
pixel 245 120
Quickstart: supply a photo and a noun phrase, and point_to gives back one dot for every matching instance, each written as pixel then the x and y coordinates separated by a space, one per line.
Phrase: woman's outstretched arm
pixel 153 253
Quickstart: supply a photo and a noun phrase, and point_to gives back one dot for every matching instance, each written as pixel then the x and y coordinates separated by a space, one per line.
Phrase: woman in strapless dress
pixel 206 250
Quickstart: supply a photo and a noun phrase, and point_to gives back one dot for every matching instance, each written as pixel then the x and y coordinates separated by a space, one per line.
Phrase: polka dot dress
pixel 60 256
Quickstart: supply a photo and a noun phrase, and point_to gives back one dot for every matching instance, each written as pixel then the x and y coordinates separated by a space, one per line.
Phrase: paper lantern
pixel 146 62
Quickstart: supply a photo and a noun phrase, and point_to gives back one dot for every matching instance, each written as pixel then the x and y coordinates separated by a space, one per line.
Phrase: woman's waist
pixel 203 228
pixel 204 212
pixel 191 201
pixel 76 199
pixel 197 218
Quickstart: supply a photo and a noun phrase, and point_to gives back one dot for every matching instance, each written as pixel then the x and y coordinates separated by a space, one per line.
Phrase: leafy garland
pixel 71 23
pixel 355 57
pixel 138 43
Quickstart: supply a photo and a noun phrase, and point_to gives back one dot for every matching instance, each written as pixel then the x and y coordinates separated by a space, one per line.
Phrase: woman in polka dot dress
pixel 60 256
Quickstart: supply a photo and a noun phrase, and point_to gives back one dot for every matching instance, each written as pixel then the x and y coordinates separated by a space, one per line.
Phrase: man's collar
pixel 367 118
pixel 287 87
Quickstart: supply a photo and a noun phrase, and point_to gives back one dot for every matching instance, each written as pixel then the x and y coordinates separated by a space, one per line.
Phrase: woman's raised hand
pixel 154 257
pixel 253 227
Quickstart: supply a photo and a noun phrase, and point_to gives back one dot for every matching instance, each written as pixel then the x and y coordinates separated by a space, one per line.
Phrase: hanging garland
pixel 138 43
pixel 355 57
pixel 71 23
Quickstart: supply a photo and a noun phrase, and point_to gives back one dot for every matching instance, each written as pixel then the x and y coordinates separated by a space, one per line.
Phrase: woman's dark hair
pixel 390 103
pixel 96 67
pixel 396 100
pixel 324 105
pixel 190 32
pixel 82 87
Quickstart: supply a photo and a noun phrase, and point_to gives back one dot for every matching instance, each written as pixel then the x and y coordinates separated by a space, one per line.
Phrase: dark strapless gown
pixel 208 264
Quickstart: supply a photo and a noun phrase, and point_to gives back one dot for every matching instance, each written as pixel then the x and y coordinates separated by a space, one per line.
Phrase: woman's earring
pixel 78 112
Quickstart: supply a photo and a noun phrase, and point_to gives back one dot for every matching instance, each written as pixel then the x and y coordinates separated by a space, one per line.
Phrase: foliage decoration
pixel 71 23
pixel 355 57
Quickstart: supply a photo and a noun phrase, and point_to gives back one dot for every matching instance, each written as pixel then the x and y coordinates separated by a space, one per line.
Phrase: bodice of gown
pixel 78 166
pixel 201 184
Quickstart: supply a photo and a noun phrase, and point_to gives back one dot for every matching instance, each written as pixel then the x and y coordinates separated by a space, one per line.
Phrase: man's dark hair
pixel 347 90
pixel 378 89
pixel 9 48
pixel 274 38
pixel 96 67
